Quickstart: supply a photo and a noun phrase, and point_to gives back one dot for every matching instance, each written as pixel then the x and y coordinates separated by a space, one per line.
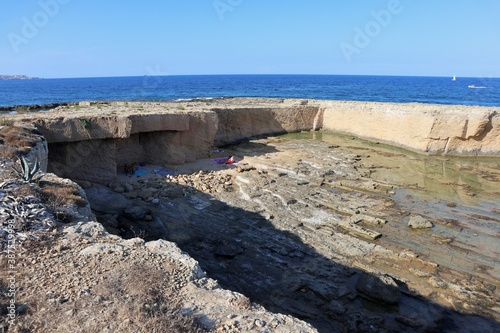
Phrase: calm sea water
pixel 441 90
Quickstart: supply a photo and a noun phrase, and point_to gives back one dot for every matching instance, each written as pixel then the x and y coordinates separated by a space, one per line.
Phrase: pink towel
pixel 221 160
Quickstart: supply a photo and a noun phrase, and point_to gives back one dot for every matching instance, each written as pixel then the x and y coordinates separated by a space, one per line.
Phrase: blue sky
pixel 87 38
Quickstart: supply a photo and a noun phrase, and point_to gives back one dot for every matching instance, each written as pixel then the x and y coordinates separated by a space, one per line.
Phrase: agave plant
pixel 28 174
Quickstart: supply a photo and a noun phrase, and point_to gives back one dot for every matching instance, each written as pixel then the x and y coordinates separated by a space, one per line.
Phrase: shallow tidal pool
pixel 460 195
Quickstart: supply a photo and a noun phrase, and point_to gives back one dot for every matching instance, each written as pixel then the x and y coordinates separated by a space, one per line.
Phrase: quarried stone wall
pixel 427 128
pixel 92 144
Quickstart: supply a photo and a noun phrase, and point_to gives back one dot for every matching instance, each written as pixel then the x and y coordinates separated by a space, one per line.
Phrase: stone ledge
pixel 425 128
pixel 158 122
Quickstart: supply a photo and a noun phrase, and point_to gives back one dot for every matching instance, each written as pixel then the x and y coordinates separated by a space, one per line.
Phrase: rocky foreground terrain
pixel 63 272
pixel 298 236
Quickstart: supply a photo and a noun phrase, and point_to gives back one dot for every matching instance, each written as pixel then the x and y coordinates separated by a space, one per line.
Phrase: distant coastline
pixel 18 77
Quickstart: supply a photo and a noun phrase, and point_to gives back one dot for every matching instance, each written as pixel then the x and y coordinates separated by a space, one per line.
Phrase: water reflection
pixel 460 195
pixel 468 180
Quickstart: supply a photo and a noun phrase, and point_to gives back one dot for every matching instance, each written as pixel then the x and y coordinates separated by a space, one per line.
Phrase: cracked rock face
pixel 299 227
pixel 302 228
pixel 381 288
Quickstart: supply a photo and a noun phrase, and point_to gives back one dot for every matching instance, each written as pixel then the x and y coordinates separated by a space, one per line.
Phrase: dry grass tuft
pixel 7 152
pixel 16 140
pixel 58 198
pixel 25 190
pixel 139 299
pixel 60 194
pixel 21 137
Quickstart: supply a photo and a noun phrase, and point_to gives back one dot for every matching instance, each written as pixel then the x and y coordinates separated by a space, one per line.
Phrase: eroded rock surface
pixel 92 141
pixel 292 227
pixel 299 228
pixel 61 271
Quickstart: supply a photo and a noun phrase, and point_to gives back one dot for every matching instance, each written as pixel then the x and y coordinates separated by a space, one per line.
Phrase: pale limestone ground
pixel 299 211
pixel 78 278
pixel 311 192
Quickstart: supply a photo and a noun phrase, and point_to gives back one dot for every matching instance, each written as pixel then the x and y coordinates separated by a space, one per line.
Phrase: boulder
pixel 88 229
pixel 378 287
pixel 105 200
pixel 171 250
pixel 147 193
pixel 418 222
pixel 128 187
pixel 136 212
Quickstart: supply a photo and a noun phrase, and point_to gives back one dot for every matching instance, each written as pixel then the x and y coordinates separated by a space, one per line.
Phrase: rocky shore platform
pixel 135 228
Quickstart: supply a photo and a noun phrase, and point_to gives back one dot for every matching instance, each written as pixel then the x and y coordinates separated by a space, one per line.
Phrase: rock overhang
pixel 425 128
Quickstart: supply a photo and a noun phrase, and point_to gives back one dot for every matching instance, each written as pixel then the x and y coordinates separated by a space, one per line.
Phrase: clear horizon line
pixel 260 74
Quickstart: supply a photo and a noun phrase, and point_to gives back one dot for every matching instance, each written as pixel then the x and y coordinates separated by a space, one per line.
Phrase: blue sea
pixel 440 90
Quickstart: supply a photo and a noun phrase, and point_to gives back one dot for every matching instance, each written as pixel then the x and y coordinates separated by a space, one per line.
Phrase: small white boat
pixel 454 78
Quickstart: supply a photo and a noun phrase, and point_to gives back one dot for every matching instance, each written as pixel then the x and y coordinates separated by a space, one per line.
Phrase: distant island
pixel 18 77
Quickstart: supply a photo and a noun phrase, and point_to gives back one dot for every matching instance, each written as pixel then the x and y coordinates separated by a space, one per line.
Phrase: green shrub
pixel 27 173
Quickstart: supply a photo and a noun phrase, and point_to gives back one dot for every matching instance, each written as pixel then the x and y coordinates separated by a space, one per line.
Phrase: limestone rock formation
pixel 434 129
pixel 380 288
pixel 93 142
pixel 239 123
pixel 418 222
pixel 284 228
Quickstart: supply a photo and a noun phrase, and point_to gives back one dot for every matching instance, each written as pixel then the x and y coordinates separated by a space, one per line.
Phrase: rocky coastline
pixel 298 236
pixel 18 77
pixel 33 107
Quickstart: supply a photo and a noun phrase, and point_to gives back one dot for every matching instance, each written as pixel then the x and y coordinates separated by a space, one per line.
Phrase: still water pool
pixel 460 195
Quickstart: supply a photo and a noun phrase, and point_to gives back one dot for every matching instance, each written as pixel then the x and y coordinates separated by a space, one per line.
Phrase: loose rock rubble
pixel 62 278
pixel 73 276
pixel 303 233
pixel 298 231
